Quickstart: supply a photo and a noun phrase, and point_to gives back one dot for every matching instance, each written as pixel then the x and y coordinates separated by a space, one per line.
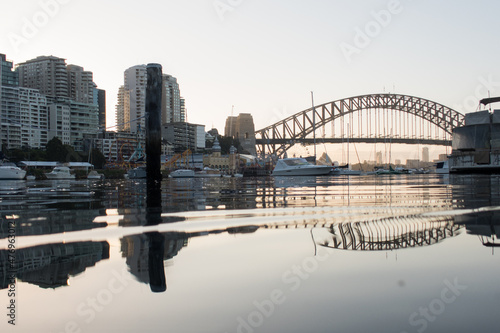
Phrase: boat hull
pixel 181 173
pixel 306 171
pixel 14 173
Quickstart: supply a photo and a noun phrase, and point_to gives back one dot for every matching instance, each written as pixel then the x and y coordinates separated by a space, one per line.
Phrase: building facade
pixel 101 104
pixel 34 118
pixel 172 106
pixel 242 128
pixel 23 111
pixel 56 100
pixel 184 136
pixel 47 74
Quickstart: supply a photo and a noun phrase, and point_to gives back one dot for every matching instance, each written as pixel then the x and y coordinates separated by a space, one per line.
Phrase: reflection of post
pixel 153 121
pixel 157 280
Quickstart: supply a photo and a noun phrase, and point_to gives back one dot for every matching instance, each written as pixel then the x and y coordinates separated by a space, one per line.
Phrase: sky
pixel 265 57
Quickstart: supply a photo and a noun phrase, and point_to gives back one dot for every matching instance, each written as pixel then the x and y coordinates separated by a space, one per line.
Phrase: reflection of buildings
pixel 141 250
pixel 486 225
pixel 473 192
pixel 136 249
pixel 49 266
pixel 52 222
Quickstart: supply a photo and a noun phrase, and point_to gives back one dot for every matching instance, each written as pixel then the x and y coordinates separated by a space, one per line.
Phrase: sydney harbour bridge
pixel 374 118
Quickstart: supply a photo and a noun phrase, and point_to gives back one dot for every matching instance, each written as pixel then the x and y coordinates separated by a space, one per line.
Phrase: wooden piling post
pixel 153 122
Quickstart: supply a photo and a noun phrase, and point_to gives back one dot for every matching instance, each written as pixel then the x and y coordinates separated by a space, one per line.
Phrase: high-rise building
pixel 10 118
pixel 81 86
pixel 101 103
pixel 45 73
pixel 131 103
pixel 243 129
pixel 173 106
pixel 135 85
pixel 8 77
pixel 71 98
pixel 425 154
pixel 34 118
pixel 183 110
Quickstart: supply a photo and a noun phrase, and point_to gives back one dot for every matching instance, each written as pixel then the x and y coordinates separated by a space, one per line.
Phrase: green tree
pixel 226 142
pixel 72 155
pixel 97 159
pixel 56 151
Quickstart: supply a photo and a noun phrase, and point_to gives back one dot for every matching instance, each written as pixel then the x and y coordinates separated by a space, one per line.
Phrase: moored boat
pixel 60 172
pixel 11 171
pixel 297 166
pixel 207 172
pixel 182 173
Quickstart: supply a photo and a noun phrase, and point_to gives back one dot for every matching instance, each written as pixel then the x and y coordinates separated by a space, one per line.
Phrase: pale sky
pixel 265 57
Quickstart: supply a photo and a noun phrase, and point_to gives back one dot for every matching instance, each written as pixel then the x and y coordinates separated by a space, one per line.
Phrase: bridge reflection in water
pixel 390 233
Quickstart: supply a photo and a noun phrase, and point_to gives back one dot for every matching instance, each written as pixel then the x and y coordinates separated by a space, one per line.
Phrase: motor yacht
pixel 60 172
pixel 182 173
pixel 11 171
pixel 298 166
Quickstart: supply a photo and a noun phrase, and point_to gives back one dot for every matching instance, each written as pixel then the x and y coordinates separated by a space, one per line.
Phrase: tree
pixel 56 151
pixel 97 159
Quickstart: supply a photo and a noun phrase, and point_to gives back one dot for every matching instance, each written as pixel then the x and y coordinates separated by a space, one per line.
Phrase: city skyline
pixel 230 52
pixel 265 58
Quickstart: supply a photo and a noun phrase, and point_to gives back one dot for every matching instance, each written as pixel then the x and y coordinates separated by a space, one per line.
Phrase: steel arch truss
pixel 279 137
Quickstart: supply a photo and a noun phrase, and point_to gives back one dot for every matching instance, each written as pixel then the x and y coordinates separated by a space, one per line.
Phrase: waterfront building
pixel 101 104
pixel 242 128
pixel 184 136
pixel 34 118
pixel 120 109
pixel 225 163
pixel 134 102
pixel 131 101
pixel 81 87
pixel 118 147
pixel 71 101
pixel 173 106
pixel 45 73
pixel 23 111
pixel 476 145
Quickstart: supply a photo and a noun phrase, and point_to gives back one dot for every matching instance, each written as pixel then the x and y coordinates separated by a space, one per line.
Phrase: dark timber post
pixel 153 122
pixel 157 279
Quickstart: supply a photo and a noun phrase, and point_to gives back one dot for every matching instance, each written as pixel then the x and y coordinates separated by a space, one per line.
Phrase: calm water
pixel 402 253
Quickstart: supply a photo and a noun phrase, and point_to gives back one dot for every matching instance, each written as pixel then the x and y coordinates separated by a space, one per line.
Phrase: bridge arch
pixel 279 137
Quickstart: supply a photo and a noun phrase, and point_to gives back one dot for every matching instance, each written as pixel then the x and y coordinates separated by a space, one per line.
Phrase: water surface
pixel 402 253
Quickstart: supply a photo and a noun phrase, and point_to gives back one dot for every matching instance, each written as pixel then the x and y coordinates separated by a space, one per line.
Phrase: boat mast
pixel 314 125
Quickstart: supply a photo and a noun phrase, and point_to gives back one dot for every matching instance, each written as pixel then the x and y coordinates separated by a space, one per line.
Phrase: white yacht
pixel 298 166
pixel 60 172
pixel 442 167
pixel 208 172
pixel 11 171
pixel 182 173
pixel 345 170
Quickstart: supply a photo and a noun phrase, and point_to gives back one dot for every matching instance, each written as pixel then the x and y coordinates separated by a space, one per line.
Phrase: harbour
pixel 280 254
pixel 249 167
